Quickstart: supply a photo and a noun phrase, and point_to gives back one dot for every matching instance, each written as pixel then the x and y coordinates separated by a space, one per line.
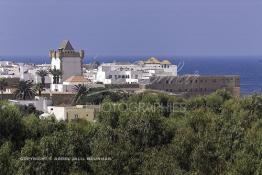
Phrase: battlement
pixel 66 50
pixel 66 53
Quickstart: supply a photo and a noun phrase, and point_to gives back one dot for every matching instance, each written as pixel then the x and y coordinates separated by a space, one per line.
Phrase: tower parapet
pixel 66 50
pixel 82 54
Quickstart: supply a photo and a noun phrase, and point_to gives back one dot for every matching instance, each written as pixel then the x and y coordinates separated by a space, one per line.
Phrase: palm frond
pixel 25 90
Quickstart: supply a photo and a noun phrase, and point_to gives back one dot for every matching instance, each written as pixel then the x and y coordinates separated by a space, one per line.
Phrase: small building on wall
pixel 84 112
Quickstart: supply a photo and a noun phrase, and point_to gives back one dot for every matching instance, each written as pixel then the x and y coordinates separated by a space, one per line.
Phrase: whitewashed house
pixel 126 73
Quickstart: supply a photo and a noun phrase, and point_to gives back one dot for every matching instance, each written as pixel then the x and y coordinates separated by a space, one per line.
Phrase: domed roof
pixel 152 60
pixel 166 62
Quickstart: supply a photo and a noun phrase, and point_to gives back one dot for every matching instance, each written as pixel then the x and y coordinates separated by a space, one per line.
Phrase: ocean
pixel 249 68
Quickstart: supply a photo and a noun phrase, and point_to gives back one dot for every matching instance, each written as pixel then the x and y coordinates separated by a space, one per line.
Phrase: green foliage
pixel 98 95
pixel 146 133
pixel 81 91
pixel 3 85
pixel 160 161
pixel 39 87
pixel 56 73
pixel 11 127
pixel 25 90
pixel 42 73
pixel 6 159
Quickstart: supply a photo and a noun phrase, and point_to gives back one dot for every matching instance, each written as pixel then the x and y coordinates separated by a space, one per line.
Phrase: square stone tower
pixel 68 61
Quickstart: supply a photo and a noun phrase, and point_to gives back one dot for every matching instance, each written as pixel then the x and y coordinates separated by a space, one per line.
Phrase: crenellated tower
pixel 67 62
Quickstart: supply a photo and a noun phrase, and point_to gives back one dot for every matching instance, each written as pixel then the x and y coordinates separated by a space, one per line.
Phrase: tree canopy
pixel 146 133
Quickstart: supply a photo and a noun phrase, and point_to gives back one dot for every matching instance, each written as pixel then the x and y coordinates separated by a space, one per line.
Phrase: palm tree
pixel 42 73
pixel 3 85
pixel 81 91
pixel 39 88
pixel 56 75
pixel 25 90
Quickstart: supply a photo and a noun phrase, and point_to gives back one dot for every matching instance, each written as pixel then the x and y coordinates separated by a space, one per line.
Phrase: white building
pixel 84 112
pixel 29 72
pixel 139 73
pixel 40 103
pixel 9 69
pixel 68 61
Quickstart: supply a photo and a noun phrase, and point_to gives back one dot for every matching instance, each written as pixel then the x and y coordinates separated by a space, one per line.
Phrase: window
pixel 110 76
pixel 166 81
pixel 119 76
pixel 136 76
pixel 76 116
pixel 123 76
pixel 115 76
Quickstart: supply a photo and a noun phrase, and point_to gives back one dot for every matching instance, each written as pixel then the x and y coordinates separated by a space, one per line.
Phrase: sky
pixel 132 27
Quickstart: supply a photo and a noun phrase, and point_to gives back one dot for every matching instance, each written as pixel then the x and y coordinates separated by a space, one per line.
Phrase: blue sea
pixel 249 68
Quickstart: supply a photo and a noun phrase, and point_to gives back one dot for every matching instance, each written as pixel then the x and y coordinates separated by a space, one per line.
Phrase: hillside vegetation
pixel 141 134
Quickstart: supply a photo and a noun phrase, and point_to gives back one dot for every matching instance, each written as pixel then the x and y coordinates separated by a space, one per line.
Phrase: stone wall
pixel 195 85
pixel 61 98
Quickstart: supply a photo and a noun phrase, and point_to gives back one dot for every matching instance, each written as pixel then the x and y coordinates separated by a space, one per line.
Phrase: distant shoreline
pixel 249 69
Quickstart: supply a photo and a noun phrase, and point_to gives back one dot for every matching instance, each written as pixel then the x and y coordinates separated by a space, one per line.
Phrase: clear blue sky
pixel 132 27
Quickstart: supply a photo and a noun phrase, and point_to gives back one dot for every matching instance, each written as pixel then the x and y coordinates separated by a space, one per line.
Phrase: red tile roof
pixel 74 79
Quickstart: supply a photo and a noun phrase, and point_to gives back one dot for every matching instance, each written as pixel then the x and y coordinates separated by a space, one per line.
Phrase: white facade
pixel 58 112
pixel 9 70
pixel 57 87
pixel 90 74
pixel 29 72
pixel 55 63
